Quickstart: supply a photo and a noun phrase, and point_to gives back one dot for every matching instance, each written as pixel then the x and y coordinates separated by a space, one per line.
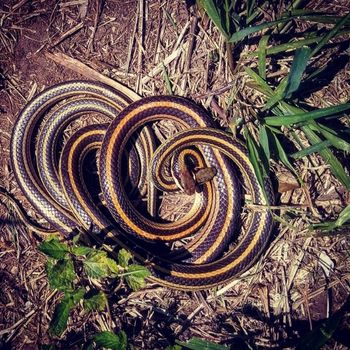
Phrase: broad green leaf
pixel 98 265
pixel 330 35
pixel 124 257
pixel 54 248
pixel 297 69
pixel 250 30
pixel 312 149
pixel 96 302
pixel 307 116
pixel 60 317
pixel 213 12
pixel 135 276
pixel 61 274
pixel 201 344
pixel 262 55
pixel 319 336
pixel 110 340
pixel 81 250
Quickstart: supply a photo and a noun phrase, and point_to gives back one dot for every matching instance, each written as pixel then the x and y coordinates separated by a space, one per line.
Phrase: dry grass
pixel 137 43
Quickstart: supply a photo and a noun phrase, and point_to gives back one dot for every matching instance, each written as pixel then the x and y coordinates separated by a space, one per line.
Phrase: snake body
pixel 57 189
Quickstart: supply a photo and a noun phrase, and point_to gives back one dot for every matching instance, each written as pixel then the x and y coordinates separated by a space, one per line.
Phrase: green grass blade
pixel 331 136
pixel 214 14
pixel 250 30
pixel 330 35
pixel 278 94
pixel 250 7
pixel 290 46
pixel 297 70
pixel 312 149
pixel 328 156
pixel 262 55
pixel 282 155
pixel 306 116
pixel 254 156
pixel 264 142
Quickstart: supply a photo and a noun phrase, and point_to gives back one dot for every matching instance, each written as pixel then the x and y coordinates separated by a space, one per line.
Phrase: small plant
pixel 69 268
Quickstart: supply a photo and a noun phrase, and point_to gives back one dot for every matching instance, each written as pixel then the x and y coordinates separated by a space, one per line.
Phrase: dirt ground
pixel 139 43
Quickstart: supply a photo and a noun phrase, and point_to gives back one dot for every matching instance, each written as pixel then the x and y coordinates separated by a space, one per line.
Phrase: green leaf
pixel 110 340
pixel 328 156
pixel 54 248
pixel 312 149
pixel 124 257
pixel 256 161
pixel 262 55
pixel 264 142
pixel 98 265
pixel 330 35
pixel 201 344
pixel 343 218
pixel 331 136
pixel 174 347
pixel 81 250
pixel 298 67
pixel 213 12
pixel 282 155
pixel 250 30
pixel 60 317
pixel 307 116
pixel 278 94
pixel 318 337
pixel 97 302
pixel 61 274
pixel 135 276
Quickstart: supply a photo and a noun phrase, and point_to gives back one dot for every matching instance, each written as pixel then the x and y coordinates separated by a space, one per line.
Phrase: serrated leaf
pixel 98 265
pixel 201 344
pixel 124 257
pixel 61 314
pixel 297 70
pixel 135 276
pixel 60 274
pixel 81 250
pixel 96 302
pixel 54 248
pixel 110 340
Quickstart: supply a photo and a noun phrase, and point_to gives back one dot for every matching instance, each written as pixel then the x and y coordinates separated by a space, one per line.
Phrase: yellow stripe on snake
pixel 54 182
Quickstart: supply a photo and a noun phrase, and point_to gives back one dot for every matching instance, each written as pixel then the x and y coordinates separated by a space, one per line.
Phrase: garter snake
pixel 57 189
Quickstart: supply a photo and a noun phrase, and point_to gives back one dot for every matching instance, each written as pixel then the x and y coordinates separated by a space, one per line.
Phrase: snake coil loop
pixel 58 191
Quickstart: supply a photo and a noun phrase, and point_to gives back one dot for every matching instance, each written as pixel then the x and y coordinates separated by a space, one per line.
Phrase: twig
pixel 141 42
pixel 67 34
pixel 99 8
pixel 194 21
pixel 86 71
